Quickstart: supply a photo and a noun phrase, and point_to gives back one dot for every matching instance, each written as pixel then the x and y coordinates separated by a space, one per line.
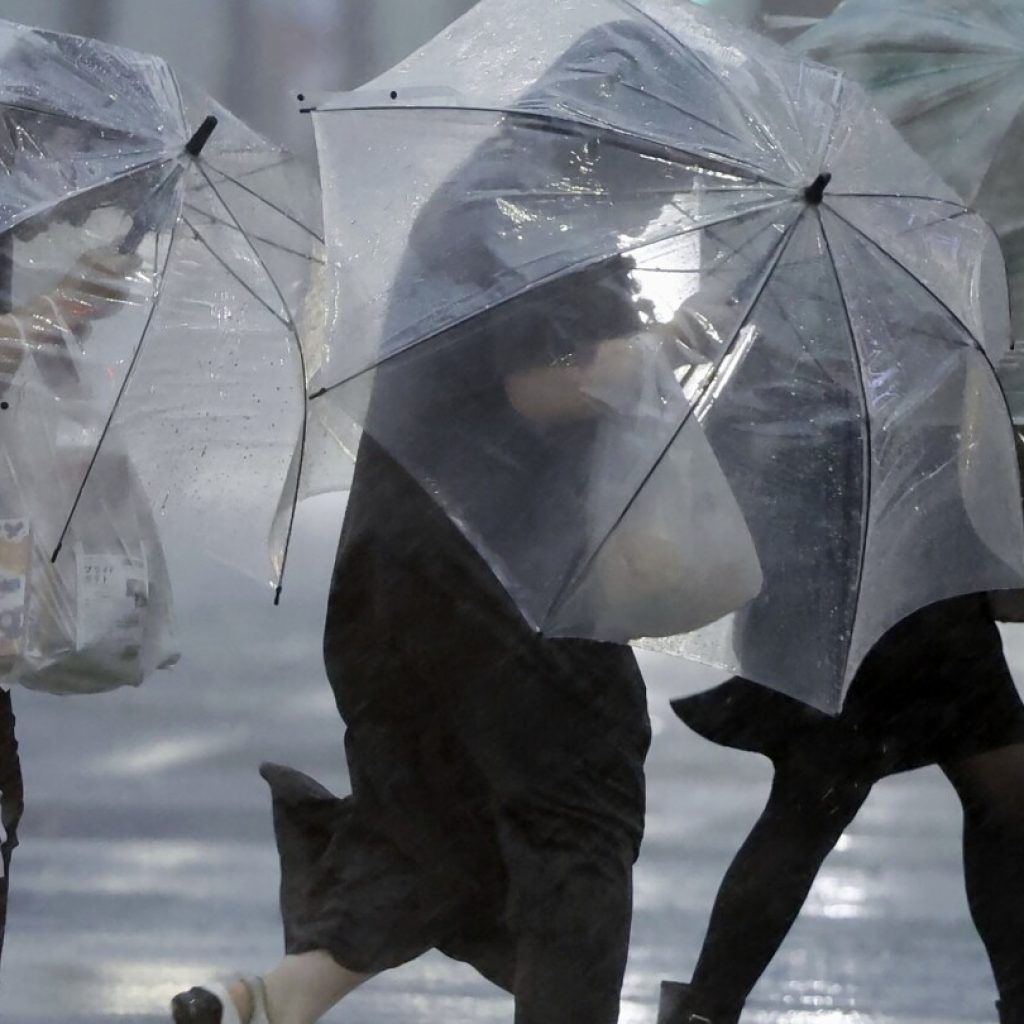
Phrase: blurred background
pixel 256 55
pixel 147 860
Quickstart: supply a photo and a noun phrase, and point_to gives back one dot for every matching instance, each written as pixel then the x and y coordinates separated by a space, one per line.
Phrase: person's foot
pixel 677 1005
pixel 243 1002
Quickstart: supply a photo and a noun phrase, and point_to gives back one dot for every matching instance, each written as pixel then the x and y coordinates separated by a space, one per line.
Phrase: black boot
pixel 1010 1013
pixel 677 1006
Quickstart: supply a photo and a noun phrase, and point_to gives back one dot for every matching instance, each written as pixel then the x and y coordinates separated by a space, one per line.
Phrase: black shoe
pixel 677 1006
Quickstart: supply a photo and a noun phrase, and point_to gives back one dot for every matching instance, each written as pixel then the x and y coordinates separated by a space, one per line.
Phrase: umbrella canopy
pixel 540 191
pixel 119 179
pixel 950 76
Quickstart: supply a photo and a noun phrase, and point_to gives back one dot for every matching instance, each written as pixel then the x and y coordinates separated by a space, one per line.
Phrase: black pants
pixel 11 799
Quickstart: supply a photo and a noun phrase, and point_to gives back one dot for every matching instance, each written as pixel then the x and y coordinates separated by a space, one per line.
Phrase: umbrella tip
pixel 277 595
pixel 815 192
pixel 194 146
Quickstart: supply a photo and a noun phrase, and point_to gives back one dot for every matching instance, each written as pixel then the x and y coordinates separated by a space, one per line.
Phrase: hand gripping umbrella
pixel 581 241
pixel 120 184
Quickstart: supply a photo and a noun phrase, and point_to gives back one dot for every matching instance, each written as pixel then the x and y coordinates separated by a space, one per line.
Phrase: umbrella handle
pixel 140 228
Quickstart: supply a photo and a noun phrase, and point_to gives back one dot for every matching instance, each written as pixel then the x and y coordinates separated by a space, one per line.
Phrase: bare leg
pixel 768 882
pixel 300 989
pixel 991 789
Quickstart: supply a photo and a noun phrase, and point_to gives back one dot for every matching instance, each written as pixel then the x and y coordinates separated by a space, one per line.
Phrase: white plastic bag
pixel 100 616
pixel 682 555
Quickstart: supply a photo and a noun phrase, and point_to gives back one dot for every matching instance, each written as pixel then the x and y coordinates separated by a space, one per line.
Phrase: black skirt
pixel 486 763
pixel 935 690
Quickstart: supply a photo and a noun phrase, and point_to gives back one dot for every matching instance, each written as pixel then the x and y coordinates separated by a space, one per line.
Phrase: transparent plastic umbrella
pixel 119 179
pixel 566 201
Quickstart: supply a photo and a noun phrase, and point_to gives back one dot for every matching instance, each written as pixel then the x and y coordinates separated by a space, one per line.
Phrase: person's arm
pixel 552 395
pixel 96 288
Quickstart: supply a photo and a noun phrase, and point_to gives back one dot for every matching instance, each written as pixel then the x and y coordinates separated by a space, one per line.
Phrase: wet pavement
pixel 147 861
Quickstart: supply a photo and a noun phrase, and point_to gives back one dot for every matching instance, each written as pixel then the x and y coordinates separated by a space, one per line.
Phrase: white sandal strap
pixel 257 998
pixel 258 992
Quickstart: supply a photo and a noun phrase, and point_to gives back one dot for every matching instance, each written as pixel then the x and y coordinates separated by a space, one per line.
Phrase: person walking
pixel 935 690
pixel 93 289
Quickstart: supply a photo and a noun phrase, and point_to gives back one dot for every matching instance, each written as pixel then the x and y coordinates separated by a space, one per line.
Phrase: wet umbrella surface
pixel 808 298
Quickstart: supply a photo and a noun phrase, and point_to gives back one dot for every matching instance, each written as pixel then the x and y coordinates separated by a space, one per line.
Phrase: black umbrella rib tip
pixel 815 192
pixel 195 145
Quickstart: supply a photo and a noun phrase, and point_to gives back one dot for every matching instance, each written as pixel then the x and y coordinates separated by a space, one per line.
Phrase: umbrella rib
pixel 868 446
pixel 302 369
pixel 263 199
pixel 543 195
pixel 567 271
pixel 578 574
pixel 906 270
pixel 569 126
pixel 220 259
pixel 120 394
pixel 259 238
